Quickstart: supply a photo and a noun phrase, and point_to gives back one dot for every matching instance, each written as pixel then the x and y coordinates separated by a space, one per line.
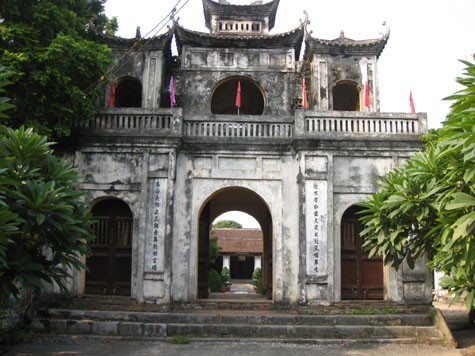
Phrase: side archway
pixel 110 265
pixel 361 277
pixel 223 98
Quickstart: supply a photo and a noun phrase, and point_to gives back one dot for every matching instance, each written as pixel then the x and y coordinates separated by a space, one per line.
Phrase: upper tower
pixel 255 19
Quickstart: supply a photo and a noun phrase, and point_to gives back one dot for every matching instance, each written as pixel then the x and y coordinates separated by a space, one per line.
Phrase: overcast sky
pixel 427 39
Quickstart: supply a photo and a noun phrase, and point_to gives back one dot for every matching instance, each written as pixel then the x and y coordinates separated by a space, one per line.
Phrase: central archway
pixel 222 201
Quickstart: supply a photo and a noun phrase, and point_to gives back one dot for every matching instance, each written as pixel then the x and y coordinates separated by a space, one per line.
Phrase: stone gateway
pixel 174 149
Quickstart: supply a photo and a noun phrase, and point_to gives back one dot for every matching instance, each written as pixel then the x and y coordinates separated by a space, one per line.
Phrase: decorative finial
pixel 387 28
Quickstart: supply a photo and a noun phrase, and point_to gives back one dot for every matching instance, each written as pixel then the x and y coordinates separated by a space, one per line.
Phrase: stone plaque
pixel 316 212
pixel 155 236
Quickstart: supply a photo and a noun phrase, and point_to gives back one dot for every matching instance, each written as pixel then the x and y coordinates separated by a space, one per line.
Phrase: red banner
pixel 304 95
pixel 238 95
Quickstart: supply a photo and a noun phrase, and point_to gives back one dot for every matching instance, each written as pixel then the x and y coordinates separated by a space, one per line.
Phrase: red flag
pixel 172 93
pixel 366 95
pixel 112 95
pixel 238 95
pixel 304 95
pixel 411 102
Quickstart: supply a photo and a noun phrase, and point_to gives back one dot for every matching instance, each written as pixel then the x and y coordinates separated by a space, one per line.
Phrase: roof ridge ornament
pixel 387 30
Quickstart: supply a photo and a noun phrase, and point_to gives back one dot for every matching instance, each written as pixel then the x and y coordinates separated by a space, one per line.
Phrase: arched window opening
pixel 128 93
pixel 346 97
pixel 223 100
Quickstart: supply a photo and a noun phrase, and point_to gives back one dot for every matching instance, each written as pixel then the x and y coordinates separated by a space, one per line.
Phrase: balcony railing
pixel 137 120
pixel 305 124
pixel 235 126
pixel 369 125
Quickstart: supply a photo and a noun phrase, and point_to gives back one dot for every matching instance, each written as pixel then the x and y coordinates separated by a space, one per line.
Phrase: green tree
pixel 227 224
pixel 427 206
pixel 49 46
pixel 5 104
pixel 213 249
pixel 47 224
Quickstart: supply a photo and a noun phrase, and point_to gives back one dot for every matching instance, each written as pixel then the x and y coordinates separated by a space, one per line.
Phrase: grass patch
pixel 180 340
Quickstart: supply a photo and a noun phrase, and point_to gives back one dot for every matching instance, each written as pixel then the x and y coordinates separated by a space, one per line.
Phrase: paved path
pixel 90 346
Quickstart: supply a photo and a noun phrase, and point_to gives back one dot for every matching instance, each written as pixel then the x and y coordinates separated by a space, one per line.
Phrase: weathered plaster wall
pixel 148 66
pixel 198 178
pixel 132 175
pixel 327 71
pixel 203 69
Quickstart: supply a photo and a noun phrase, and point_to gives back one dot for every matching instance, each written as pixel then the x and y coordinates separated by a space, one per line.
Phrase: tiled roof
pixel 345 46
pixel 157 42
pixel 292 39
pixel 239 240
pixel 226 10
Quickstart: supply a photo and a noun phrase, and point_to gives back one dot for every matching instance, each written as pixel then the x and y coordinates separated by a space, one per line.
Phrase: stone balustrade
pixel 305 124
pixel 135 120
pixel 328 124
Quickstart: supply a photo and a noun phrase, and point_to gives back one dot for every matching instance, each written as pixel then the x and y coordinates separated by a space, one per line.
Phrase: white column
pixel 257 262
pixel 227 261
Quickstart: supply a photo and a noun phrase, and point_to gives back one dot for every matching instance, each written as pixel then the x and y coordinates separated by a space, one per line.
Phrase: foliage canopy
pixel 49 46
pixel 44 225
pixel 427 206
pixel 227 224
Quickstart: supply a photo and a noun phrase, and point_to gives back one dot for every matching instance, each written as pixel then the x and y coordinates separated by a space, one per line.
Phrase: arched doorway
pixel 111 260
pixel 128 93
pixel 346 96
pixel 361 277
pixel 228 199
pixel 223 99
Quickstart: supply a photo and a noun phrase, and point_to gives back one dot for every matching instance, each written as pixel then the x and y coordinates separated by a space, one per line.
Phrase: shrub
pixel 226 276
pixel 215 282
pixel 257 279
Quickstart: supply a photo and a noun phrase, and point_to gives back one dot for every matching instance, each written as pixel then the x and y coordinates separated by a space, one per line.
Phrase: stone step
pixel 120 303
pixel 242 318
pixel 415 328
pixel 415 334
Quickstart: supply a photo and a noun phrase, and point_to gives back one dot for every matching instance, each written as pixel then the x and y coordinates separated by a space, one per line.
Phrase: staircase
pixel 378 322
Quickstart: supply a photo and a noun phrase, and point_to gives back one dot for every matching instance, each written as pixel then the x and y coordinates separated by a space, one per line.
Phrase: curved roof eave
pixel 292 39
pixel 346 46
pixel 157 42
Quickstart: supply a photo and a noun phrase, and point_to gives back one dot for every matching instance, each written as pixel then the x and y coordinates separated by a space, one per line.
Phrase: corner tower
pixel 343 73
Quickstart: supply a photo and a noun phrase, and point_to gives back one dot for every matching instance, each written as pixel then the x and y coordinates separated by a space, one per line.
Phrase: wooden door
pixel 203 252
pixel 111 260
pixel 361 277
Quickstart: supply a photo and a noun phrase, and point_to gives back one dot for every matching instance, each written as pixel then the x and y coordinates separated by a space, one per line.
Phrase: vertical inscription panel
pixel 316 202
pixel 155 232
